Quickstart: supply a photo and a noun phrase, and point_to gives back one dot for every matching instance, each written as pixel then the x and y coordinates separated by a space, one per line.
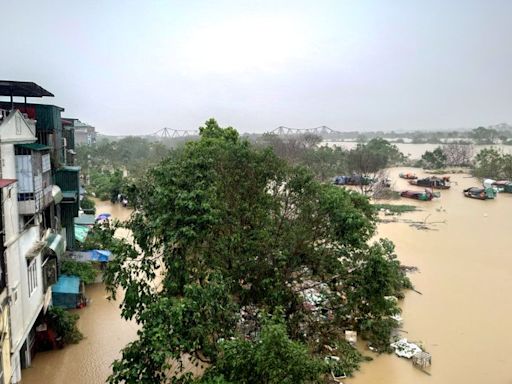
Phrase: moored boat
pixel 353 180
pixel 503 186
pixel 408 176
pixel 432 182
pixel 480 193
pixel 425 195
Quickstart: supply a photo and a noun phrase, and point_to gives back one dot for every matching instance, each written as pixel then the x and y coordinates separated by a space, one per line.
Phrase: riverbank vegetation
pixel 492 163
pixel 448 155
pixel 261 268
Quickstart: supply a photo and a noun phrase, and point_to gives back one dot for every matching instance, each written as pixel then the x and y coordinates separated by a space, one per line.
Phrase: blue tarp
pixel 67 284
pixel 100 255
pixel 66 292
pixel 94 255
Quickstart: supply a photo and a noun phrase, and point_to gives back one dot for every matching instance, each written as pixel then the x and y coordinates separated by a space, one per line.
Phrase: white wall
pixel 19 239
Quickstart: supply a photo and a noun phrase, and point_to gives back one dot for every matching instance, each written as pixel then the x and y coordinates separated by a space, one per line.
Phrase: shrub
pixel 64 324
pixel 85 271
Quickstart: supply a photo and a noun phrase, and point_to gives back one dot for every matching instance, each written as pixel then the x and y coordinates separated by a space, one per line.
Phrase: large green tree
pixel 223 233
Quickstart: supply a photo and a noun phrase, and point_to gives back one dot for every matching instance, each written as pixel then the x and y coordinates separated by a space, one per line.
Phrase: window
pixel 32 277
pixel 46 164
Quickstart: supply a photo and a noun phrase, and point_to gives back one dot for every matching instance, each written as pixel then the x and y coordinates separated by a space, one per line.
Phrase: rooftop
pixel 5 182
pixel 22 88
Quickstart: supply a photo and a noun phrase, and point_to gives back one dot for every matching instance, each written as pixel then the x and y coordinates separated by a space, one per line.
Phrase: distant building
pixel 85 134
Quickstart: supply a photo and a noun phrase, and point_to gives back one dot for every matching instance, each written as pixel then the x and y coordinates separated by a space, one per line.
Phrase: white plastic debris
pixel 405 349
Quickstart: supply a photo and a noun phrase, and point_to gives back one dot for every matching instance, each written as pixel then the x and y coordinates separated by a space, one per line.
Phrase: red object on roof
pixel 66 122
pixel 5 182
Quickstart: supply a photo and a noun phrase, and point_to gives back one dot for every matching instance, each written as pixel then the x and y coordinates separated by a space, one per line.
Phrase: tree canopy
pixel 225 233
pixel 492 163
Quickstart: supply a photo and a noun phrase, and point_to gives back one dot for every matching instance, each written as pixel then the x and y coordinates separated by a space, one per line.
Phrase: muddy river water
pixel 463 316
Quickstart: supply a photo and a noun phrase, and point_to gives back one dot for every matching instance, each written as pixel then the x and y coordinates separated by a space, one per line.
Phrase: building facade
pixel 37 218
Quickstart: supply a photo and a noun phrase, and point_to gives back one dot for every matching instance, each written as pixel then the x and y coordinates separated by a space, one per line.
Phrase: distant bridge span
pixel 322 130
pixel 174 133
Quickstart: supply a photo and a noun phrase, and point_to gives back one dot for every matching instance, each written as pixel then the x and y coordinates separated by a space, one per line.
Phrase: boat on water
pixel 432 182
pixel 503 186
pixel 408 176
pixel 425 195
pixel 353 180
pixel 480 193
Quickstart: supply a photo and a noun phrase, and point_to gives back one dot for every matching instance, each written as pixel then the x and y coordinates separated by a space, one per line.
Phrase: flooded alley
pixel 105 334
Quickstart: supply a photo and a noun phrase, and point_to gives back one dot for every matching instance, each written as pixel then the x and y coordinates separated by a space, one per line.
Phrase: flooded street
pixel 105 334
pixel 465 275
pixel 462 316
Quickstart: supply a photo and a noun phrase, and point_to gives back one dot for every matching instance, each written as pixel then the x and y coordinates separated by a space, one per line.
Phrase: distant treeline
pixel 110 166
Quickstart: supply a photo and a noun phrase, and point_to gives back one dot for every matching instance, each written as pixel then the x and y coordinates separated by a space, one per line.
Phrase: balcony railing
pixel 30 203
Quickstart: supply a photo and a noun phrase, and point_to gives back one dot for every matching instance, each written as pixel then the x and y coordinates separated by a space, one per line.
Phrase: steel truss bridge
pixel 321 131
pixel 175 133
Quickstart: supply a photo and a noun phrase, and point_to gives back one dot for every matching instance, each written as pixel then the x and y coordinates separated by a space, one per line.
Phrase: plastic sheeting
pixel 81 232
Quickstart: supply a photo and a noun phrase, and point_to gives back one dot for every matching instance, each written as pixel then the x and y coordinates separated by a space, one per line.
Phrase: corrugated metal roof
pixel 5 182
pixel 22 88
pixel 34 146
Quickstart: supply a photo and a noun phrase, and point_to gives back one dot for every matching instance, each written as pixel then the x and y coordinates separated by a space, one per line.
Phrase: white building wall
pixel 19 239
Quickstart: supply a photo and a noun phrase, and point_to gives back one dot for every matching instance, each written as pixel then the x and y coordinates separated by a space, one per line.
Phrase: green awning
pixel 57 194
pixel 85 220
pixel 34 146
pixel 57 244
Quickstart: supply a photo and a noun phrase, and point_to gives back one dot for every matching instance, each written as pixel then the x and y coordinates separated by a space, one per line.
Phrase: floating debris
pixel 422 360
pixel 405 349
pixel 351 337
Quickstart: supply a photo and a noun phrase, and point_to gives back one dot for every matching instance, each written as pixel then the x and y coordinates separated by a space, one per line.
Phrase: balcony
pixel 31 203
pixel 33 171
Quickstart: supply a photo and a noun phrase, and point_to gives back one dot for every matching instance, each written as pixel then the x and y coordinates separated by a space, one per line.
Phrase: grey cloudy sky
pixel 131 67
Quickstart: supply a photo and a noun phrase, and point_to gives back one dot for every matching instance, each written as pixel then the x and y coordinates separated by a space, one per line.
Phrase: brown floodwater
pixel 88 362
pixel 462 316
pixel 415 151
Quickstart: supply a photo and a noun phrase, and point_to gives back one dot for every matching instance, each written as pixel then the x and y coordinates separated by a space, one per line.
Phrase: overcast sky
pixel 131 67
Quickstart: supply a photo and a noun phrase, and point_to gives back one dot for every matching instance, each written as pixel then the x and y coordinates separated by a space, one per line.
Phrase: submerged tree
pixel 492 163
pixel 369 160
pixel 222 230
pixel 435 159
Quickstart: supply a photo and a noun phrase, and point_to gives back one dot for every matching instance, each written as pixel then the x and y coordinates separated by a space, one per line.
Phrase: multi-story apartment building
pixel 37 218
